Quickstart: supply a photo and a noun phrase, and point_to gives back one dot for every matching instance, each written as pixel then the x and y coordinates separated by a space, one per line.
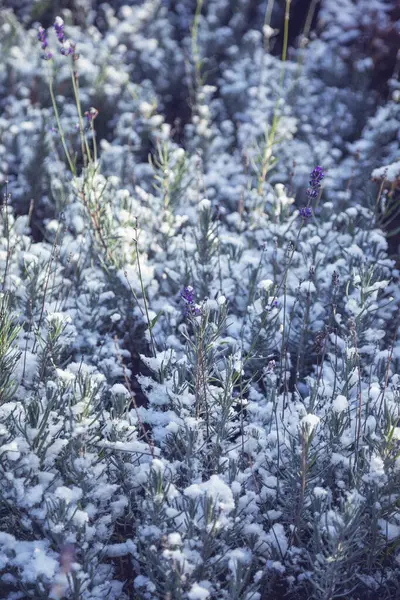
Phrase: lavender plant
pixel 199 354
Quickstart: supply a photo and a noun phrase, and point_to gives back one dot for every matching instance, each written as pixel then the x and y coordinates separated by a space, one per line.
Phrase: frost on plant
pixel 199 351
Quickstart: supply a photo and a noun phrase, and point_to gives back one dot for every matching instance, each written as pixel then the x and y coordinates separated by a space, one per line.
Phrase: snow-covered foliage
pixel 199 359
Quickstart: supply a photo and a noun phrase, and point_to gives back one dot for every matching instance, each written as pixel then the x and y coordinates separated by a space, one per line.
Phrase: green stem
pixel 60 129
pixel 306 33
pixel 275 120
pixel 84 142
pixel 266 315
pixel 94 142
pixel 195 47
pixel 146 308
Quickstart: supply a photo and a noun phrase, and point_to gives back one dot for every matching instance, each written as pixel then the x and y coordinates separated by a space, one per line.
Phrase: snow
pixel 204 204
pixel 210 457
pixel 370 423
pixel 198 592
pixel 310 422
pixel 65 376
pixel 308 287
pixel 216 489
pixel 118 388
pixel 340 404
pixel 158 466
pixel 174 539
pixel 389 530
pixel 237 557
pixel 389 172
pixel 105 492
pixel 80 517
pixel 376 472
pixel 12 451
pixel 60 317
pixel 33 495
pixel 54 450
pixel 69 495
pixel 320 492
pixel 41 565
pixel 277 538
pixel 265 285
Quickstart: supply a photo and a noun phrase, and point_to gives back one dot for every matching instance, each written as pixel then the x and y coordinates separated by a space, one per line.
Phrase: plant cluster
pixel 199 307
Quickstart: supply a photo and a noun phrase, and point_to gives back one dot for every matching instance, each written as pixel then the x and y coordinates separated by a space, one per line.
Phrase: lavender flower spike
pixel 188 296
pixel 67 48
pixel 59 29
pixel 305 212
pixel 316 177
pixel 42 37
pixel 91 114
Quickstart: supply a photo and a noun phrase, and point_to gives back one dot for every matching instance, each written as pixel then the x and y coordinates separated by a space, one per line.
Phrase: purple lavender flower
pixel 188 296
pixel 305 212
pixel 316 177
pixel 274 304
pixel 312 193
pixel 91 114
pixel 67 46
pixel 335 279
pixel 66 50
pixel 42 37
pixel 59 29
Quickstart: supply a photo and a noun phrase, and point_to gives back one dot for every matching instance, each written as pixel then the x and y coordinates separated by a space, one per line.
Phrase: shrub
pixel 199 390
